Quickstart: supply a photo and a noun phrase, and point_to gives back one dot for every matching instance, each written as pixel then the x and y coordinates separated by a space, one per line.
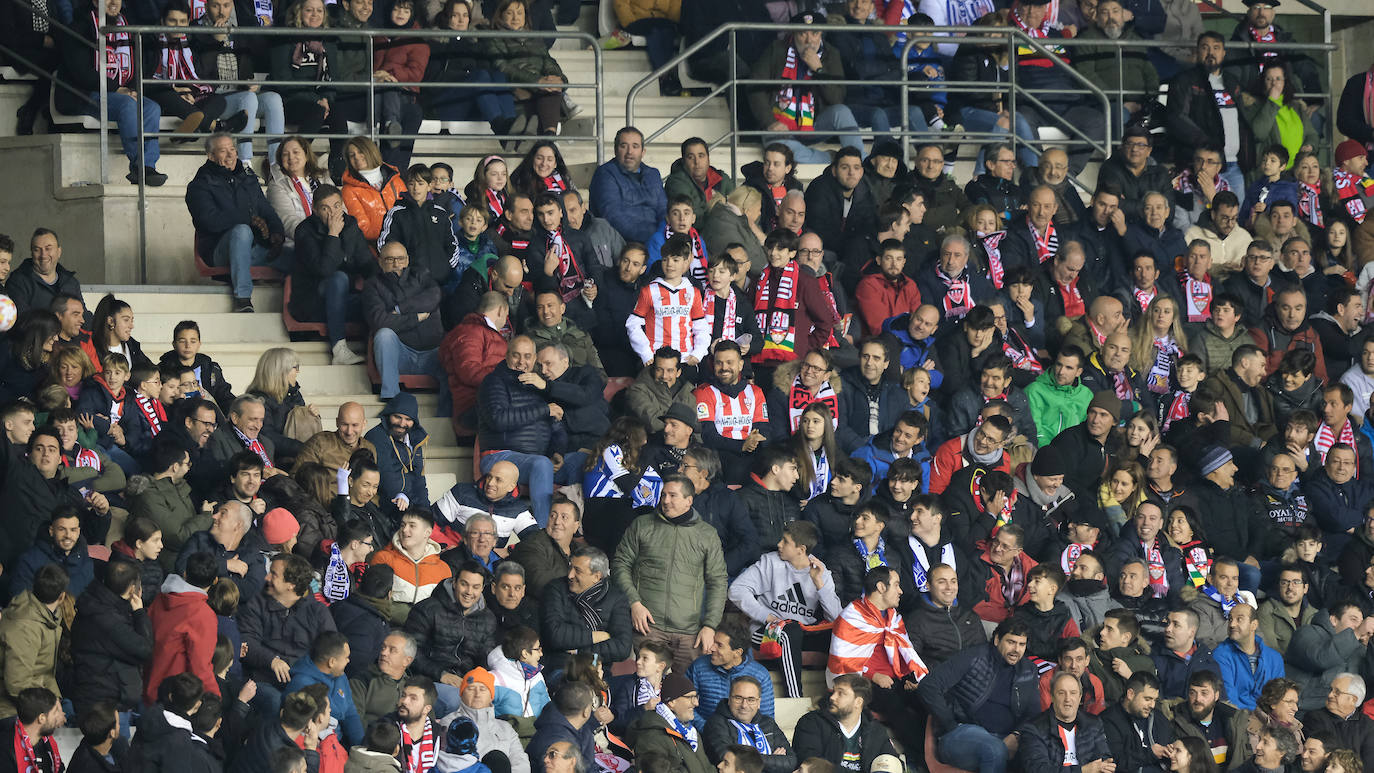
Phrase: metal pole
pixel 734 106
pixel 600 128
pixel 142 165
pixel 905 65
pixel 371 96
pixel 104 113
pixel 1011 93
pixel 1120 94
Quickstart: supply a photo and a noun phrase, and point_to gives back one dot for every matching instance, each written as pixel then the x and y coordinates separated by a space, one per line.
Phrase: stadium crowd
pixel 1042 481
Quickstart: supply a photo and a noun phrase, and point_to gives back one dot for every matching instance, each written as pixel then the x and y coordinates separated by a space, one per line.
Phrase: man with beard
pixel 616 298
pixel 843 732
pixel 1137 733
pixel 773 178
pixel 870 402
pixel 400 442
pixel 605 241
pixel 1204 108
pixel 659 386
pixel 1102 232
pixel 1284 612
pixel 39 715
pixel 733 413
pixel 1203 714
pixel 1098 63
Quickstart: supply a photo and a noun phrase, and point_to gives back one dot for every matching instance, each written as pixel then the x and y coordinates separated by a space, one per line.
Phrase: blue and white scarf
pixel 687 732
pixel 751 735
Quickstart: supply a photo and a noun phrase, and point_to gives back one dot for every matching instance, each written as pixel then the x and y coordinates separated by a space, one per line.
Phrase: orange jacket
pixel 369 205
pixel 415 580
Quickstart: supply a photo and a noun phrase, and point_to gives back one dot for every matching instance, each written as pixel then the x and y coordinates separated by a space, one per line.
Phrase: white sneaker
pixel 344 355
pixel 571 108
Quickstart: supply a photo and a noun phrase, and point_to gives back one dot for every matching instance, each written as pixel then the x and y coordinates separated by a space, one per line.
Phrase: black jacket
pixel 1042 750
pixel 87 760
pixel 586 415
pixel 1131 753
pixel 30 500
pixel 220 199
pixel 1085 460
pixel 728 512
pixel 769 510
pixel 847 568
pixel 319 256
pixel 825 210
pixel 29 292
pixel 939 633
pixel 854 399
pixel 1194 118
pixel 615 301
pixel 110 644
pixel 158 747
pixel 211 376
pixel 752 173
pixel 1355 733
pixel 273 631
pixel 563 628
pixel 1234 526
pixel 719 735
pixel 256 754
pixel 1128 548
pixel 425 231
pixel 818 735
pixel 584 258
pixel 366 625
pixel 834 520
pixel 954 691
pixel 395 301
pixel 1002 194
pixel 450 639
pixel 512 416
pixel 250 551
pixel 1154 178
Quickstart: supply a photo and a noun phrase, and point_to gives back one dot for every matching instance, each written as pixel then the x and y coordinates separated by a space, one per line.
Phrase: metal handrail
pixel 138 32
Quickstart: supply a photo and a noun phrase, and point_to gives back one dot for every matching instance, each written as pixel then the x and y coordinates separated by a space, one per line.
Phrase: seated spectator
pixel 414 557
pixel 280 626
pixel 738 720
pixel 546 553
pixel 980 448
pixel 1202 714
pixel 329 657
pixel 333 449
pixel 507 600
pixel 564 629
pixel 331 253
pixel 1074 661
pixel 379 687
pixel 1241 648
pixel 1044 740
pixel 1181 655
pixel 1047 617
pixel 1340 717
pixel 659 385
pixel 824 732
pixel 552 325
pixel 1136 731
pixel 401 307
pixel 889 292
pixel 401 441
pixel 1321 650
pixel 579 392
pixel 639 692
pixel 1288 609
pixel 244 434
pixel 293 187
pixel 237 551
pixel 471 350
pixel 412 221
pixel 518 424
pixel 693 176
pixel 733 412
pixel 299 715
pixel 712 675
pixel 669 730
pixel 364 617
pixel 62 546
pixel 453 631
pixel 1057 399
pixel 567 725
pixel 619 477
pixel 478 545
pixel 628 193
pixel 165 498
pixel 29 634
pixel 37 716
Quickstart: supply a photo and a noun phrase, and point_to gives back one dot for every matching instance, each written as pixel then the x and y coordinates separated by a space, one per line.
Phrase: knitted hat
pixel 462 736
pixel 675 686
pixel 481 676
pixel 1213 458
pixel 279 526
pixel 377 581
pixel 1047 463
pixel 1347 150
pixel 886 148
pixel 679 412
pixel 1088 516
pixel 1107 401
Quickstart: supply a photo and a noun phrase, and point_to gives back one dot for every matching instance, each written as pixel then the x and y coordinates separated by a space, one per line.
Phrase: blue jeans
pixel 124 112
pixel 257 104
pixel 970 747
pixel 489 105
pixel 341 306
pixel 1234 177
pixel 237 249
pixel 394 358
pixel 978 120
pixel 660 39
pixel 1249 577
pixel 886 119
pixel 536 475
pixel 835 121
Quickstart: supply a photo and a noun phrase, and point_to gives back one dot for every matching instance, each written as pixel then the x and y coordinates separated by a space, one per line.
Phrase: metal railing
pixel 1012 91
pixel 139 32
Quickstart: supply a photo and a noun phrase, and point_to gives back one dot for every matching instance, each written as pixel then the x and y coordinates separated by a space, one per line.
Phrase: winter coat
pixel 274 631
pixel 451 639
pixel 586 415
pixel 161 747
pixel 648 400
pixel 220 199
pixel 211 375
pixel 954 691
pixel 1233 525
pixel 512 416
pixel 370 205
pixel 939 633
pixel 110 645
pixel 29 634
pixel 769 510
pixel 281 193
pixel 517 694
pixel 524 60
pixel 563 629
pixel 1088 601
pixel 395 301
pixel 30 501
pixel 1048 628
pixel 319 256
pixel 1244 431
pixel 415 579
pixel 719 735
pixel 304 673
pixel 552 727
pixel 633 202
pixel 713 684
pixel 425 231
pixel 1042 749
pixel 77 564
pixel 469 353
pixel 402 466
pixel 184 634
pixel 651 734
pixel 818 734
pixel 1275 625
pixel 28 291
pixel 366 623
pixel 1174 672
pixel 833 519
pixel 825 210
pixel 680 183
pixel 1316 654
pixel 880 299
pixel 1275 342
pixel 989 579
pixel 854 393
pixel 360 760
pixel 725 225
pixel 256 754
pixel 151 572
pixel 1194 118
pixel 1129 750
pixel 1128 548
pixel 677 570
pixel 493 734
pixel 168 504
pixel 1338 507
pixel 581 350
pixel 1055 408
pixel 249 550
pixel 375 694
pixel 544 561
pixel 405 58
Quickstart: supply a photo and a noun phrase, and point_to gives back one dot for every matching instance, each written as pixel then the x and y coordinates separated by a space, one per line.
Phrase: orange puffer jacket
pixel 368 204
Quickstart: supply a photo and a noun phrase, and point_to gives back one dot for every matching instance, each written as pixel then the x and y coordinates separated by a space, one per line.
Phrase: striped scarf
pixel 152 411
pixel 1161 371
pixel 992 245
pixel 795 107
pixel 1158 575
pixel 555 183
pixel 862 630
pixel 570 276
pixel 727 321
pixel 751 735
pixel 1327 437
pixel 337 583
pixel 1309 203
pixel 1196 562
pixel 418 754
pixel 1046 246
pixel 776 311
pixel 688 732
pixel 174 64
pixel 117 52
pixel 958 298
pixel 697 271
pixel 1368 101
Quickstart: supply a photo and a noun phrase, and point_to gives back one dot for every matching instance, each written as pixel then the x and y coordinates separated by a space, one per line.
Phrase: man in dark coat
pixel 519 423
pixel 616 297
pixel 839 203
pixel 453 631
pixel 585 612
pixel 819 732
pixel 1042 745
pixel 401 309
pixel 41 277
pixel 738 715
pixel 1195 117
pixel 1137 732
pixel 331 253
pixel 165 742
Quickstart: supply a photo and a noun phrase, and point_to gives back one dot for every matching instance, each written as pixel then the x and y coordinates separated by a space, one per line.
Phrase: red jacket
pixel 949 459
pixel 1268 339
pixel 185 630
pixel 469 352
pixel 994 608
pixel 405 61
pixel 881 299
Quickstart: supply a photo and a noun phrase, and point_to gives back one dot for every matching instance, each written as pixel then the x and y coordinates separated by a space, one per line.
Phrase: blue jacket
pixel 402 467
pixel 713 684
pixel 1174 671
pixel 892 402
pixel 552 727
pixel 913 352
pixel 656 242
pixel 78 565
pixel 1243 685
pixel 305 673
pixel 877 454
pixel 512 416
pixel 634 204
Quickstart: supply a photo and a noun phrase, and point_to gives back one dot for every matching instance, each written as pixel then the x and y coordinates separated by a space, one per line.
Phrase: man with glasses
pixel 401 308
pixel 738 720
pixel 1204 108
pixel 1341 716
pixel 1195 188
pixel 1132 172
pixel 1283 613
pixel 1253 285
pixel 1281 497
pixel 1219 226
pixel 995 186
pixel 944 198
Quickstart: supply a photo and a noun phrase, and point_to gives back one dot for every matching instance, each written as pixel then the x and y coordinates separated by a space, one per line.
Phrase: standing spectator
pixel 841 730
pixel 29 634
pixel 1204 108
pixel 627 192
pixel 684 606
pixel 453 631
pixel 470 351
pixel 670 311
pixel 184 627
pixel 401 308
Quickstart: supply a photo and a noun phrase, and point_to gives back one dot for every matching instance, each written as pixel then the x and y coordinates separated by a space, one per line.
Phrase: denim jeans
pixel 834 121
pixel 489 105
pixel 394 358
pixel 978 120
pixel 341 305
pixel 886 119
pixel 536 475
pixel 447 699
pixel 124 112
pixel 237 250
pixel 1234 177
pixel 970 747
pixel 266 105
pixel 660 39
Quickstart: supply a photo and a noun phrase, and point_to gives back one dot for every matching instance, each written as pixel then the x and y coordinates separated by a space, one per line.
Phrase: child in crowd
pixel 208 374
pixel 102 405
pixel 443 193
pixel 421 225
pixel 669 310
pixel 1274 183
pixel 520 688
pixel 145 416
pixel 634 694
pixel 916 382
pixel 681 219
pixel 1173 406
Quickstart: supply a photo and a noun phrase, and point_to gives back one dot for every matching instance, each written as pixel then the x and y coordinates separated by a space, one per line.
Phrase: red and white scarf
pixel 1184 183
pixel 1144 298
pixel 1074 307
pixel 1327 437
pixel 777 313
pixel 795 107
pixel 992 245
pixel 798 400
pixel 1003 516
pixel 958 298
pixel 1046 246
pixel 496 203
pixel 26 757
pixel 1267 36
pixel 1197 296
pixel 417 755
pixel 1161 371
pixel 1178 409
pixel 555 183
pixel 174 64
pixel 697 270
pixel 570 276
pixel 305 192
pixel 1349 190
pixel 152 411
pixel 1309 203
pixel 1158 575
pixel 1020 353
pixel 827 282
pixel 254 445
pixel 118 52
pixel 727 322
pixel 84 457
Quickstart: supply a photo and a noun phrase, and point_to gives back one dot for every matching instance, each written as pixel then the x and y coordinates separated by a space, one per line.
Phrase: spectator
pixel 1074 660
pixel 329 656
pixel 238 553
pixel 552 325
pixel 711 675
pixel 183 627
pixel 166 499
pixel 1137 733
pixel 940 627
pixel 1219 226
pixel 1132 171
pixel 1198 97
pixel 1248 403
pixel 364 617
pixel 1340 716
pixel 669 729
pixel 294 189
pixel 1202 714
pixel 1324 648
pixel 585 612
pixel 1057 399
pixel 380 686
pixel 627 192
pixel 825 732
pixel 37 716
pixel 62 546
pixel 887 293
pixel 568 720
pixel 280 625
pixel 41 277
pixel 738 719
pixel 659 385
pixel 1241 648
pixel 454 631
pixel 953 289
pixel 1043 740
pixel 547 553
pixel 300 715
pixel 471 350
pixel 1284 612
pixel 514 610
pixel 733 412
pixel 1181 656
pixel 331 254
pixel 29 634
pixel 334 449
pixel 414 558
pixel 401 308
pixel 497 741
pixel 401 442
pixel 869 401
pixel 692 175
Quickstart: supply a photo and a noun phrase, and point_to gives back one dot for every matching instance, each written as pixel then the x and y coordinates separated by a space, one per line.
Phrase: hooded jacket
pixel 676 569
pixel 770 510
pixel 424 229
pixel 728 513
pixel 370 205
pixel 493 735
pixel 29 634
pixel 416 578
pixel 111 639
pixel 1055 408
pixel 185 630
pixel 160 746
pixel 451 639
pixel 395 301
pixel 552 727
pixel 304 673
pixel 939 633
pixel 469 352
pixel 401 463
pixel 713 684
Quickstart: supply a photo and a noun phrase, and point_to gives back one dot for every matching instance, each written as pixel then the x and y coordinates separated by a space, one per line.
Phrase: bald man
pixel 333 449
pixel 505 275
pixel 1033 239
pixel 792 212
pixel 1106 315
pixel 401 308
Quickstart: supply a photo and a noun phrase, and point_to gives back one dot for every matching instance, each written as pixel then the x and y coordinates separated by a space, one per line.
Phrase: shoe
pixel 669 86
pixel 191 122
pixel 150 177
pixel 393 127
pixel 344 355
pixel 617 39
pixel 235 123
pixel 243 305
pixel 25 115
pixel 570 108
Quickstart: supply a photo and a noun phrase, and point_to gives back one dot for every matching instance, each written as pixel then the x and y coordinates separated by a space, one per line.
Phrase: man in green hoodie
pixel 1058 400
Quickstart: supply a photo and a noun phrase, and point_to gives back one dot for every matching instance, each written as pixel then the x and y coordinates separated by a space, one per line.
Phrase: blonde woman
pixel 288 421
pixel 736 220
pixel 1120 493
pixel 1157 341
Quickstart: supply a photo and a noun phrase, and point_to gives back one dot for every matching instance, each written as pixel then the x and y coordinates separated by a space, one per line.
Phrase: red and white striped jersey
pixel 669 316
pixel 734 417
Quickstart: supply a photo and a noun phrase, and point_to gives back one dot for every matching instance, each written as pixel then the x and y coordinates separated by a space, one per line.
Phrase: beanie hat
pixel 1047 463
pixel 1107 401
pixel 481 676
pixel 279 526
pixel 377 581
pixel 462 736
pixel 1347 150
pixel 675 686
pixel 1213 458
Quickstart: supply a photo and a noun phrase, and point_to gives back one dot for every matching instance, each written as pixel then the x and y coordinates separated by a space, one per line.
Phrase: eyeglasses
pixel 742 699
pixel 810 252
pixel 814 368
pixel 1291 583
pixel 1135 145
pixel 481 534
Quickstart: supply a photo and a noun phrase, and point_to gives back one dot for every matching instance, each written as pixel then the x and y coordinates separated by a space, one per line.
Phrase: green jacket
pixel 1056 408
pixel 522 60
pixel 677 571
pixel 169 505
pixel 109 478
pixel 375 694
pixel 29 633
pixel 647 400
pixel 1098 64
pixel 679 183
pixel 1276 627
pixel 1261 114
pixel 650 733
pixel 581 350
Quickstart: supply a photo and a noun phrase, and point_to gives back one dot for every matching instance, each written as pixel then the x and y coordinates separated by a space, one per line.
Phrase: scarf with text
pixel 1351 190
pixel 1227 605
pixel 992 245
pixel 554 183
pixel 799 399
pixel 920 568
pixel 795 107
pixel 26 757
pixel 1197 562
pixel 82 457
pixel 751 735
pixel 958 298
pixel 337 583
pixel 174 63
pixel 152 411
pixel 418 755
pixel 1309 204
pixel 776 311
pixel 1074 306
pixel 1178 409
pixel 688 732
pixel 1197 296
pixel 118 52
pixel 1264 36
pixel 570 276
pixel 1144 297
pixel 1161 371
pixel 874 558
pixel 727 321
pixel 1020 352
pixel 1069 558
pixel 1158 575
pixel 1045 246
pixel 820 478
pixel 645 691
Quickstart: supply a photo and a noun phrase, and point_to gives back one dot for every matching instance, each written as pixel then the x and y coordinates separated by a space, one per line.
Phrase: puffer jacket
pixel 220 199
pixel 369 205
pixel 512 416
pixel 713 685
pixel 1056 408
pixel 249 551
pixel 563 628
pixel 415 579
pixel 493 735
pixel 586 415
pixel 366 622
pixel 938 633
pixel 424 229
pixel 109 638
pixel 1042 748
pixel 960 686
pixel 274 631
pixel 770 510
pixel 677 570
pixel 469 353
pixel 185 630
pixel 318 257
pixel 523 60
pixel 719 735
pixel 628 12
pixel 404 60
pixel 396 301
pixel 451 639
pixel 29 633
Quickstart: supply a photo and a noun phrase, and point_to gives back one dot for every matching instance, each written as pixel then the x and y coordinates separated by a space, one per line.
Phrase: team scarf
pixel 688 732
pixel 417 754
pixel 1309 203
pixel 1178 409
pixel 798 400
pixel 174 63
pixel 1031 57
pixel 958 298
pixel 920 568
pixel 992 246
pixel 879 552
pixel 1046 246
pixel 795 107
pixel 1327 437
pixel 1069 558
pixel 776 312
pixel 1161 371
pixel 1074 306
pixel 1159 576
pixel 1021 354
pixel 496 204
pixel 152 411
pixel 254 445
pixel 118 52
pixel 554 183
pixel 1227 605
pixel 1267 36
pixel 262 9
pixel 1144 298
pixel 337 584
pixel 26 757
pixel 84 457
pixel 571 278
pixel 1184 183
pixel 697 271
pixel 1003 516
pixel 751 735
pixel 645 691
pixel 727 322
pixel 1197 296
pixel 820 479
pixel 1196 562
pixel 827 285
pixel 1349 189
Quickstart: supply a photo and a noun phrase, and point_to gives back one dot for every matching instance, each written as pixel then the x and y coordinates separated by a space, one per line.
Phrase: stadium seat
pixel 408 380
pixel 259 273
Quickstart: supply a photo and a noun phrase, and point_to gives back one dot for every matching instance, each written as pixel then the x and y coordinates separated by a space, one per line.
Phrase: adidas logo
pixel 794 603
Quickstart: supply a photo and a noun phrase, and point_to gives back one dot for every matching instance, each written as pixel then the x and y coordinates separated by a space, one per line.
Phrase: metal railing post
pixel 104 115
pixel 371 96
pixel 598 72
pixel 903 103
pixel 142 165
pixel 734 104
pixel 1011 96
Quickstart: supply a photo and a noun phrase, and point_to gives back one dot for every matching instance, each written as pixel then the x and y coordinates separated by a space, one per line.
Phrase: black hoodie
pixel 161 747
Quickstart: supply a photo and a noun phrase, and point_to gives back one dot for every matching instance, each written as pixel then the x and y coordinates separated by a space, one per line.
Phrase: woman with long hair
pixel 1120 492
pixel 276 381
pixel 526 59
pixel 1139 437
pixel 490 185
pixel 1157 341
pixel 813 445
pixel 1191 755
pixel 1337 257
pixel 986 231
pixel 370 186
pixel 291 186
pixel 1183 528
pixel 309 498
pixel 310 61
pixel 141 544
pixel 616 482
pixel 542 170
pixel 1275 115
pixel 1312 182
pixel 26 362
pixel 112 330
